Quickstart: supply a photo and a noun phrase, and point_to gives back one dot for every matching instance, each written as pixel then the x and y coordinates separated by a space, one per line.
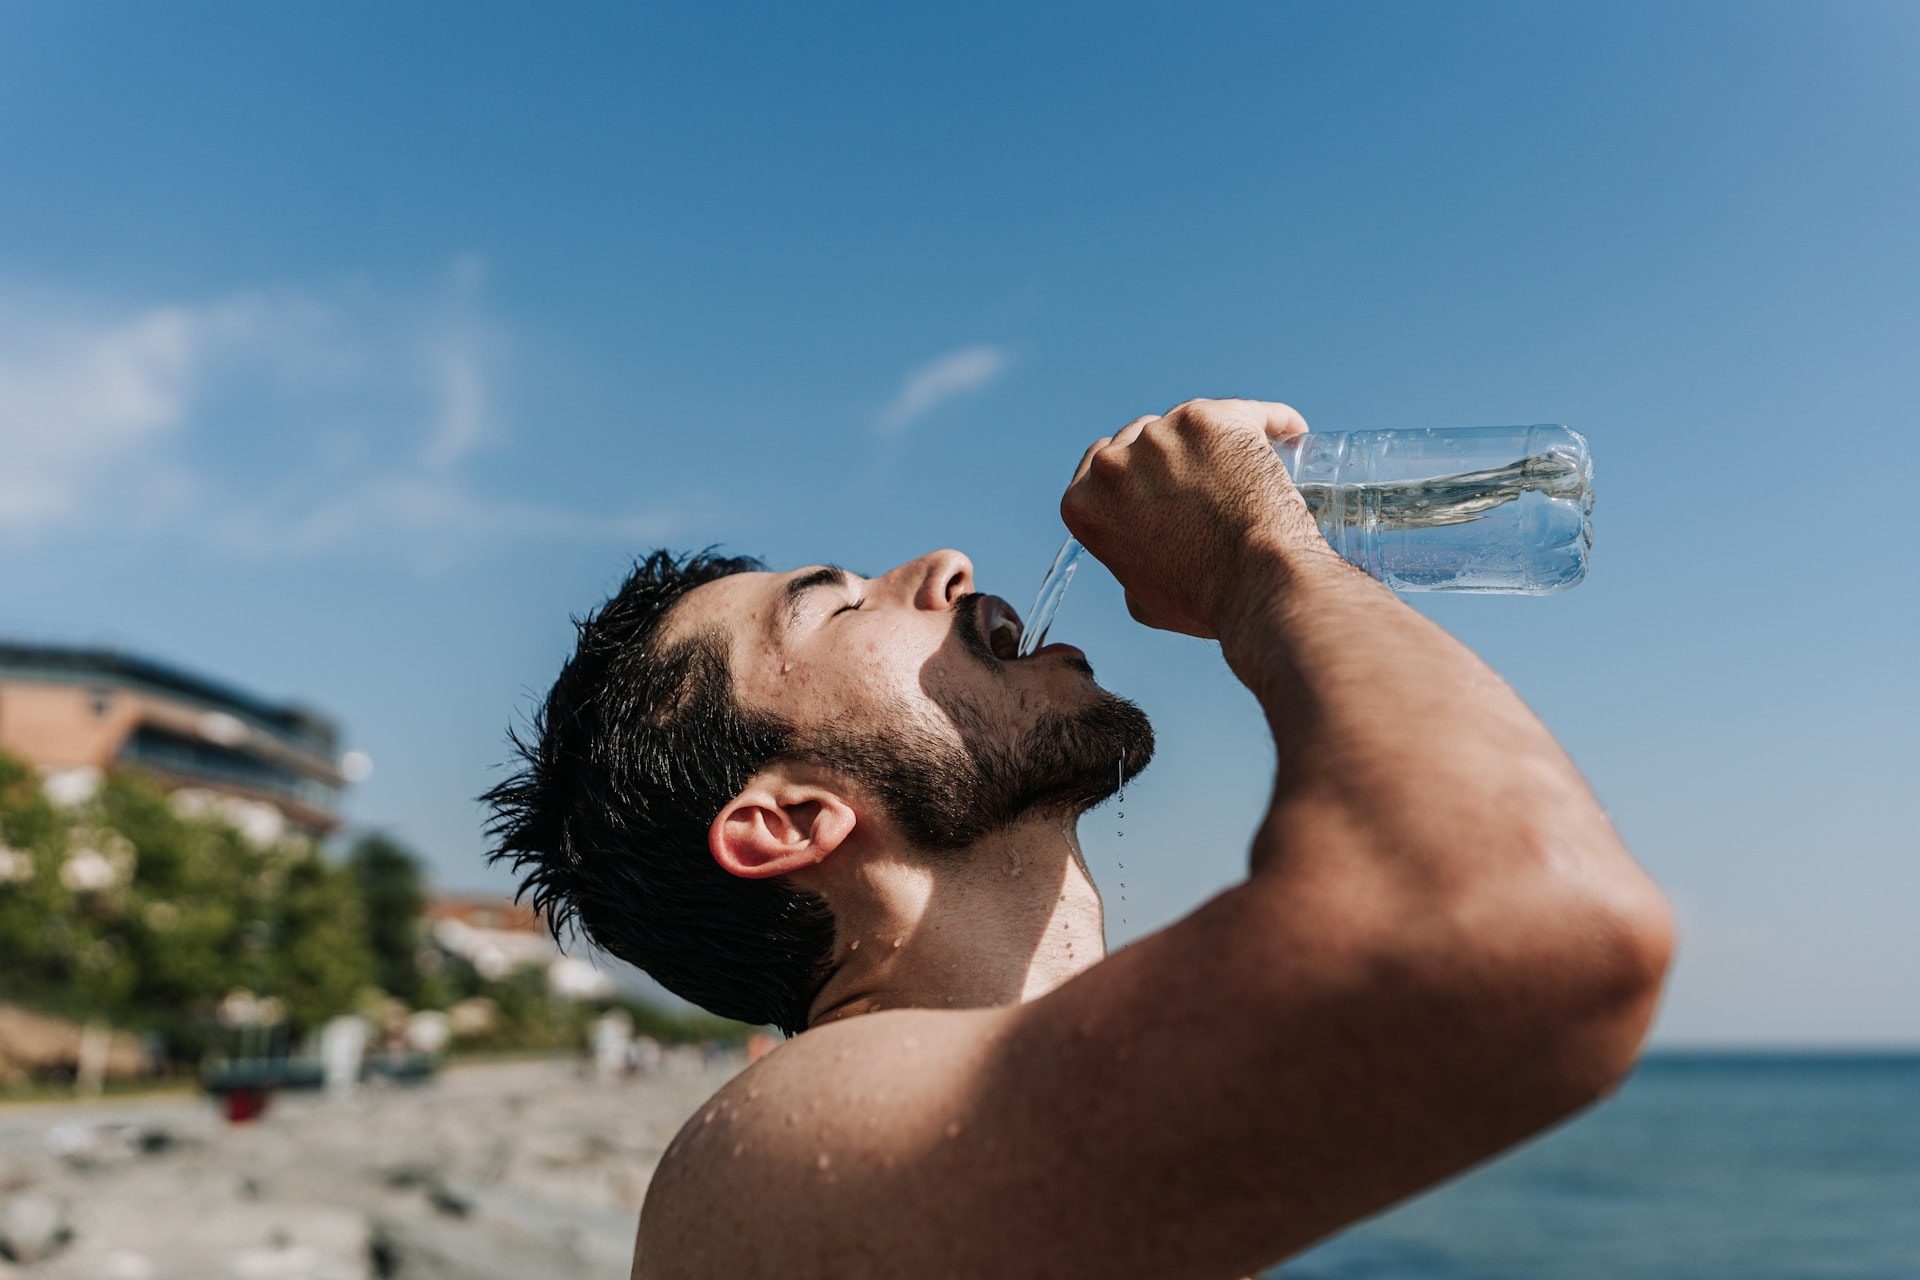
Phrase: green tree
pixel 394 895
pixel 317 957
pixel 174 912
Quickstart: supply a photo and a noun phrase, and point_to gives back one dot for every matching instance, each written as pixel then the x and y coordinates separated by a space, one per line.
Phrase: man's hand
pixel 1182 506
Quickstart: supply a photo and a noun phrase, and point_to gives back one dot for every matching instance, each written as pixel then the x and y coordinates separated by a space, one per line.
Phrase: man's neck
pixel 1001 922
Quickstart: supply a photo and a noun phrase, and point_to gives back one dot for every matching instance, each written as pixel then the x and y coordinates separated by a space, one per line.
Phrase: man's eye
pixel 851 606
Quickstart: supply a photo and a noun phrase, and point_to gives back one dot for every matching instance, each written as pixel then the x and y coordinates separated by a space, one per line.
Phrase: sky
pixel 346 351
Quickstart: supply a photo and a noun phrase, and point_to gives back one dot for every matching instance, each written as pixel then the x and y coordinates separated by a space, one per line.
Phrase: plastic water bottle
pixel 1504 510
pixel 1484 509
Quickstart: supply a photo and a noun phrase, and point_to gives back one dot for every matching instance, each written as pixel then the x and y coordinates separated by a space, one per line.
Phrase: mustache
pixel 966 625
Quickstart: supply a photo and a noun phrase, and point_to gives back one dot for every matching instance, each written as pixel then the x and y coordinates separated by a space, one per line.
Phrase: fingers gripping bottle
pixel 1493 510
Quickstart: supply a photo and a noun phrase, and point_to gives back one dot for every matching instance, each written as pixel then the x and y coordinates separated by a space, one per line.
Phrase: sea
pixel 1702 1167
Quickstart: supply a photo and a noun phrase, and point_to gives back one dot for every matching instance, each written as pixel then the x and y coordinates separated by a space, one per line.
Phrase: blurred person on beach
pixel 841 805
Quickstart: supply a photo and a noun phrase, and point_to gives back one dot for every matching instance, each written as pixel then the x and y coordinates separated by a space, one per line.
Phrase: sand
pixel 511 1169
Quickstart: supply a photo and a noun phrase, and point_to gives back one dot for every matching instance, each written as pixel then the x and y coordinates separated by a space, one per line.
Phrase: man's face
pixel 908 682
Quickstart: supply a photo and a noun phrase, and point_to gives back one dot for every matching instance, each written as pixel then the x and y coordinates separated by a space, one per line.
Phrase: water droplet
pixel 823 1162
pixel 897 942
pixel 708 1118
pixel 785 667
pixel 1121 814
pixel 855 946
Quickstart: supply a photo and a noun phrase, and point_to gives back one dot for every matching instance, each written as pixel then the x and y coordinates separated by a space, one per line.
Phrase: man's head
pixel 720 728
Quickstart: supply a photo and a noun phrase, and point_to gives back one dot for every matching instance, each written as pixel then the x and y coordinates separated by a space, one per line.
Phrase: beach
pixel 532 1168
pixel 1704 1167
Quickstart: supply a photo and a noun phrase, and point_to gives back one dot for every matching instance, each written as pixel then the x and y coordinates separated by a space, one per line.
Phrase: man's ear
pixel 777 825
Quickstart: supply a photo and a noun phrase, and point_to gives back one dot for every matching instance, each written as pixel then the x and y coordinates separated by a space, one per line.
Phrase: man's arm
pixel 1441 947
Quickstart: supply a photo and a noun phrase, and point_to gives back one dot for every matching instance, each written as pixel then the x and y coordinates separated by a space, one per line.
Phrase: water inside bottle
pixel 1392 507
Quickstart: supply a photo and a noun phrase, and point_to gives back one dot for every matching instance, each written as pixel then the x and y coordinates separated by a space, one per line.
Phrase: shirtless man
pixel 839 805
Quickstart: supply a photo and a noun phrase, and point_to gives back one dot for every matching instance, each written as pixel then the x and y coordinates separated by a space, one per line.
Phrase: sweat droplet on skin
pixel 855 946
pixel 823 1162
pixel 785 667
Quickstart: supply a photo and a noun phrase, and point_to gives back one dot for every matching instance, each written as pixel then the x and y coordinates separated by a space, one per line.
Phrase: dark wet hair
pixel 635 751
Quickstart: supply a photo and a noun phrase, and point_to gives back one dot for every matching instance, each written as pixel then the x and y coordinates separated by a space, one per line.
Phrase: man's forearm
pixel 1398 747
pixel 1425 823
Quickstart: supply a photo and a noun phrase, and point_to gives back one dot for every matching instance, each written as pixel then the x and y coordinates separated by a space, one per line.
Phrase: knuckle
pixel 1197 416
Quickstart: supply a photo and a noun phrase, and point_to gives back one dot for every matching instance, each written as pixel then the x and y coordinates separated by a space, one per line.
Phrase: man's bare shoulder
pixel 835 1125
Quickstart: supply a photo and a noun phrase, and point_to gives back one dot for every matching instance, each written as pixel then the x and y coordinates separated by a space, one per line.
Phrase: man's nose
pixel 937 579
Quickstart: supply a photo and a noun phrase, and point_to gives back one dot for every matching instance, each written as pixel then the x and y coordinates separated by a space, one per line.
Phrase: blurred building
pixel 74 713
pixel 499 937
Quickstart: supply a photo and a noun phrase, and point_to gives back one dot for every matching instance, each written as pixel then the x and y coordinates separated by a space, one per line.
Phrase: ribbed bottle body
pixel 1473 509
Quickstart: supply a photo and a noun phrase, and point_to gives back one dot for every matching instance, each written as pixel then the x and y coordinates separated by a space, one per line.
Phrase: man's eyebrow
pixel 790 595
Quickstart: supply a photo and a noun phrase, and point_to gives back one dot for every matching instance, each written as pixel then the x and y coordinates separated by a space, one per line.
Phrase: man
pixel 841 805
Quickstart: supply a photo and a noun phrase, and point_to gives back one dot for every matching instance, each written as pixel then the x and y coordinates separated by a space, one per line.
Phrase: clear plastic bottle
pixel 1495 510
pixel 1473 509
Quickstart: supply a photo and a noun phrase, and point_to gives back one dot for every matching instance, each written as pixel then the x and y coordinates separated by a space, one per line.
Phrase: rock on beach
pixel 495 1170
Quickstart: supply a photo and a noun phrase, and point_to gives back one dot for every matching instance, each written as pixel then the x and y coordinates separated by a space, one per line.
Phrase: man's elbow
pixel 1639 926
pixel 1597 984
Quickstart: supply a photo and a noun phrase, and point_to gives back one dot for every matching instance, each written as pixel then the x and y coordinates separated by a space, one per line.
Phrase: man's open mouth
pixel 1001 625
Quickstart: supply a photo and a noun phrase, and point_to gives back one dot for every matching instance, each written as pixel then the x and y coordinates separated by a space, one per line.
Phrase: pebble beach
pixel 491 1170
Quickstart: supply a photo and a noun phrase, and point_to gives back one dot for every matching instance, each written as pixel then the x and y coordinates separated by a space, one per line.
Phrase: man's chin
pixel 1084 755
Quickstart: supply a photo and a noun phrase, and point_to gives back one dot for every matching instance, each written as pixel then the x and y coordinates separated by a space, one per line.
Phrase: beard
pixel 947 795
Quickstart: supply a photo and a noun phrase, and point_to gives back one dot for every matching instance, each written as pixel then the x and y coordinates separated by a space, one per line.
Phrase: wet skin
pixel 818 646
pixel 1440 948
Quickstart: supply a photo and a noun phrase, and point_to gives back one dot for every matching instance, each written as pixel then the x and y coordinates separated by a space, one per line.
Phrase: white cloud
pixel 462 420
pixel 956 373
pixel 79 400
pixel 265 424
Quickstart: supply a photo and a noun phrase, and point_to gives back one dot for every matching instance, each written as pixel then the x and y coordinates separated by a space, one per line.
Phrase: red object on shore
pixel 246 1104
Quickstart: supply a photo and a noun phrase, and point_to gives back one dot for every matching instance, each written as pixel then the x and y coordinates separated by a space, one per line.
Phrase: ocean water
pixel 1703 1167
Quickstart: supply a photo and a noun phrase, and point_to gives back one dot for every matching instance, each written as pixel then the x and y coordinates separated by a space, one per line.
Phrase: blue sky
pixel 346 351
